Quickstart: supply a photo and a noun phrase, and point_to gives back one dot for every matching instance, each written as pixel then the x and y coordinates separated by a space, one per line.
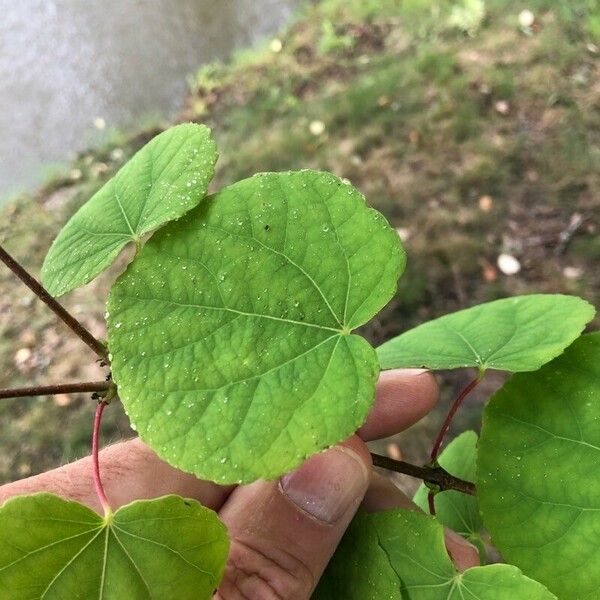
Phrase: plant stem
pixel 60 388
pixel 439 440
pixel 431 502
pixel 434 475
pixel 95 447
pixel 37 288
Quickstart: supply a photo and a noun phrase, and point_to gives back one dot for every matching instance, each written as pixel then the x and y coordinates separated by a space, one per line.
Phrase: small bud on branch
pixel 433 475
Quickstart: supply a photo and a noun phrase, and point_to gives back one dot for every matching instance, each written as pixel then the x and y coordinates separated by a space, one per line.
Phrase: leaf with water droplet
pixel 403 554
pixel 537 478
pixel 454 509
pixel 360 568
pixel 297 380
pixel 512 334
pixel 148 550
pixel 168 177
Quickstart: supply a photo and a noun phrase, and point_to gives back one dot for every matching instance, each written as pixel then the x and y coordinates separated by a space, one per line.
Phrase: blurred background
pixel 473 125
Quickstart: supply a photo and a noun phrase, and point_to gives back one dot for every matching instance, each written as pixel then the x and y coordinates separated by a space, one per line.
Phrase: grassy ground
pixel 475 136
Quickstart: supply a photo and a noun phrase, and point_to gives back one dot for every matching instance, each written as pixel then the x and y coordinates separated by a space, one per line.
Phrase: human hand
pixel 284 532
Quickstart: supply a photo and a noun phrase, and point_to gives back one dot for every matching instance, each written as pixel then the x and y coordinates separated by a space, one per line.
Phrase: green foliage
pixel 232 346
pixel 162 182
pixel 593 27
pixel 455 509
pixel 361 554
pixel 513 334
pixel 331 41
pixel 420 566
pixel 468 16
pixel 437 66
pixel 230 333
pixel 54 549
pixel 537 471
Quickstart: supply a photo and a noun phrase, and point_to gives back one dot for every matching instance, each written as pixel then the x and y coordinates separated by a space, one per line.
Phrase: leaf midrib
pixel 125 217
pixel 238 381
pixel 232 310
pixel 155 543
pixel 287 258
pixel 152 157
pixel 104 561
pixel 130 558
pixel 72 560
pixel 552 434
pixel 478 359
pixel 38 550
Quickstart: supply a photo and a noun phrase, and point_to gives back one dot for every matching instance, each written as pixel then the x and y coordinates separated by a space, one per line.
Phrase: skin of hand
pixel 284 532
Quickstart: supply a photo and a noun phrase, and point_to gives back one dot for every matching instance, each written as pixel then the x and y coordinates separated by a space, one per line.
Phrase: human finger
pixel 129 470
pixel 403 397
pixel 283 533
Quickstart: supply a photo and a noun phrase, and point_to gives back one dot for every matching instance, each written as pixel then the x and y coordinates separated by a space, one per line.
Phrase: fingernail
pixel 394 374
pixel 416 372
pixel 327 484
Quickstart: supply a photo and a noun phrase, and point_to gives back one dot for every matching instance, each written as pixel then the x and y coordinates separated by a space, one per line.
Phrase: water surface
pixel 68 64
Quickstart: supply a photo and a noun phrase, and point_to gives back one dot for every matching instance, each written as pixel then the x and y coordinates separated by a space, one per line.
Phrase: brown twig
pixel 431 502
pixel 434 475
pixel 565 236
pixel 60 388
pixel 52 304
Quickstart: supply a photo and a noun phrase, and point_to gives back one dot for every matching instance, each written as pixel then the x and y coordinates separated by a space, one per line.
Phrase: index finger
pixel 404 396
pixel 130 471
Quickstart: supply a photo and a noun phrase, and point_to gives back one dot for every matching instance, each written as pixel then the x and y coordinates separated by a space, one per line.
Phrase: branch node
pixel 434 477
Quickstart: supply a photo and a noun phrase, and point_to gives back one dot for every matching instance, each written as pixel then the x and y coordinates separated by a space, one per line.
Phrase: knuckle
pixel 259 572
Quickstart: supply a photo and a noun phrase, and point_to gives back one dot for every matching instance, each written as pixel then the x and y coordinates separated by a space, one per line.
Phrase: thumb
pixel 284 533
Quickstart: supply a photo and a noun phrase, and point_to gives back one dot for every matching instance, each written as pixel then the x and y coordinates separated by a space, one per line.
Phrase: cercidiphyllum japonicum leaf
pixel 230 333
pixel 414 546
pixel 454 509
pixel 513 334
pixel 149 550
pixel 372 576
pixel 164 180
pixel 538 471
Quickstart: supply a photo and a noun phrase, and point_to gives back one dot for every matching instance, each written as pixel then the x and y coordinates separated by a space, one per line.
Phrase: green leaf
pixel 415 550
pixel 231 335
pixel 454 509
pixel 152 549
pixel 513 334
pixel 538 483
pixel 360 555
pixel 164 180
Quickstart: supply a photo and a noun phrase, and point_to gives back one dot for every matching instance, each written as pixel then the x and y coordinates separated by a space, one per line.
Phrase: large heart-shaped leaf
pixel 513 334
pixel 149 550
pixel 538 462
pixel 231 335
pixel 164 180
pixel 422 570
pixel 454 509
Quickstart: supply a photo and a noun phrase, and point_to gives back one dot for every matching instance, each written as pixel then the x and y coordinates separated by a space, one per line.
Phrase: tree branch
pixel 60 388
pixel 434 475
pixel 52 304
